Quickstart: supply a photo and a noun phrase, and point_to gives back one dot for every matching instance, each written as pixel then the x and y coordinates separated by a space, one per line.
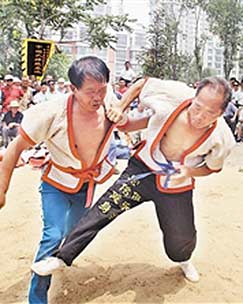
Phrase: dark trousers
pixel 174 212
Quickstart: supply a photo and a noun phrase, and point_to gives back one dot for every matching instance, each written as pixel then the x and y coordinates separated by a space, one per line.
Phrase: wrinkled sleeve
pixel 157 92
pixel 37 122
pixel 220 150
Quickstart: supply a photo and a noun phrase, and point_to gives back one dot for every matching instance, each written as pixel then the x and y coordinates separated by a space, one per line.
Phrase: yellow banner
pixel 36 55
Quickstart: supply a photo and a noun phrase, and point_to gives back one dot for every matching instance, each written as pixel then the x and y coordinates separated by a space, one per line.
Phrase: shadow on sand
pixel 148 284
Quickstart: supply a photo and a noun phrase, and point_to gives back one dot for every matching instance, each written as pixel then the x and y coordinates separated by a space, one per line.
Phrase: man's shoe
pixel 189 271
pixel 47 266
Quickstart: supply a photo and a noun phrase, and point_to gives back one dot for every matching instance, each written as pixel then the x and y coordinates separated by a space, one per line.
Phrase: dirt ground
pixel 126 263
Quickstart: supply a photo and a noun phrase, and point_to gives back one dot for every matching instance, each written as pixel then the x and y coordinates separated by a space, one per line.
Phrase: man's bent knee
pixel 179 250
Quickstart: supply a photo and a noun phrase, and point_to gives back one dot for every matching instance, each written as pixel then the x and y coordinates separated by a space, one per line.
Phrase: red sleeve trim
pixel 121 127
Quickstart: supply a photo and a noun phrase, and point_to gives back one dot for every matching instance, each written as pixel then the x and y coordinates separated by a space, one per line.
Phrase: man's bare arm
pixel 186 172
pixel 134 124
pixel 115 112
pixel 8 163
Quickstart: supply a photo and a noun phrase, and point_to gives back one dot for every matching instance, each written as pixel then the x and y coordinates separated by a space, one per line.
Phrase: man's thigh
pixel 175 214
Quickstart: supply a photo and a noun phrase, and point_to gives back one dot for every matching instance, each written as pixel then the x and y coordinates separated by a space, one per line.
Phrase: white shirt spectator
pixel 128 73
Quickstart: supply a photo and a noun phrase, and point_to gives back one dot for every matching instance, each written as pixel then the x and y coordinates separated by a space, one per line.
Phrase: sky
pixel 136 9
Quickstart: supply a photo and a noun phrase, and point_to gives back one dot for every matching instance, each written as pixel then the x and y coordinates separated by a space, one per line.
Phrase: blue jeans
pixel 61 212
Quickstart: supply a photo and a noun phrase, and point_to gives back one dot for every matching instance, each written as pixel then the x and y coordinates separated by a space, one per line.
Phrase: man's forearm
pixel 9 161
pixel 131 94
pixel 6 168
pixel 200 171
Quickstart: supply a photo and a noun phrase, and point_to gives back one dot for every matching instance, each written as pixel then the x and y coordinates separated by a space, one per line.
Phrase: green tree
pixel 162 58
pixel 198 7
pixel 153 58
pixel 10 41
pixel 37 18
pixel 225 19
pixel 208 72
pixel 58 65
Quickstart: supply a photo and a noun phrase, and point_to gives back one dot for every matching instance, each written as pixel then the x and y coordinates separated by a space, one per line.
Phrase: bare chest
pixel 88 135
pixel 178 139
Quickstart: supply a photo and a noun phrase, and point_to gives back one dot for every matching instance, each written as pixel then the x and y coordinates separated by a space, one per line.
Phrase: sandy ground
pixel 127 263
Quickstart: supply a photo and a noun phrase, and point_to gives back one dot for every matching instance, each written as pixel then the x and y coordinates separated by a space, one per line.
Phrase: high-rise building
pixel 189 29
pixel 127 47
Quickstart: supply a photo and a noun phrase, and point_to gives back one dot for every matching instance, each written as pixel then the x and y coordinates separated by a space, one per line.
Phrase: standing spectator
pixel 42 96
pixel 28 94
pixel 128 73
pixel 17 82
pixel 122 86
pixel 235 93
pixel 1 81
pixel 10 92
pixel 61 86
pixel 1 87
pixel 48 77
pixel 11 122
pixel 240 94
pixel 238 121
pixel 231 81
pixel 53 93
pixel 229 115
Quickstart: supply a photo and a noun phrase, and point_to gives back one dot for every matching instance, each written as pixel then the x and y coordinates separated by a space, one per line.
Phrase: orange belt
pixel 88 175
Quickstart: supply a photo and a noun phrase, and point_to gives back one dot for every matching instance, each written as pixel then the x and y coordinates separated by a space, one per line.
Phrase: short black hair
pixel 51 81
pixel 88 66
pixel 232 79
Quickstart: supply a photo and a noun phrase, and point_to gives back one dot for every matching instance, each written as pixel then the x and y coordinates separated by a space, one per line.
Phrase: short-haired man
pixel 128 73
pixel 184 140
pixel 78 135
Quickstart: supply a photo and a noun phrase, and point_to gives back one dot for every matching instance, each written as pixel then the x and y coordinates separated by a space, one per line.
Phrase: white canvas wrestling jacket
pixel 165 98
pixel 51 122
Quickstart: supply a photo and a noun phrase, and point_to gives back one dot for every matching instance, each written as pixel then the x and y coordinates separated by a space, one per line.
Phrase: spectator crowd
pixel 17 95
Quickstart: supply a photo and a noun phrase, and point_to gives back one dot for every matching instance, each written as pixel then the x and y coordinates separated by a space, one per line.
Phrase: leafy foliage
pixel 21 19
pixel 58 66
pixel 162 58
pixel 226 20
pixel 198 7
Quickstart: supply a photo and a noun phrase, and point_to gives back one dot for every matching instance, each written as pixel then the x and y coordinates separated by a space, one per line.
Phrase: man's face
pixel 122 83
pixel 9 82
pixel 127 65
pixel 91 95
pixel 61 85
pixel 205 108
pixel 14 110
pixel 25 82
pixel 44 88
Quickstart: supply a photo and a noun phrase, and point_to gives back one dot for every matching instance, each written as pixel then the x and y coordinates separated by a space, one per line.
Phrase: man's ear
pixel 73 88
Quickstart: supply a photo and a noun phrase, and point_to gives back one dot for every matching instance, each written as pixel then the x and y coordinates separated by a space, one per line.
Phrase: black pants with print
pixel 174 212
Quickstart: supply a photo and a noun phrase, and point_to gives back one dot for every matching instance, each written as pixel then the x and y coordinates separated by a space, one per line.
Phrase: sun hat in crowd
pixel 16 79
pixel 14 104
pixel 8 77
pixel 61 80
